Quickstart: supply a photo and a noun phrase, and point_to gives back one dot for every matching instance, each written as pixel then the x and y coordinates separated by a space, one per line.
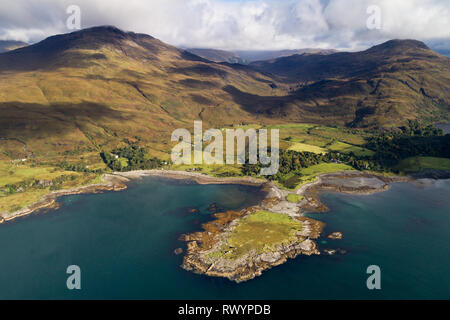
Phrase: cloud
pixel 244 25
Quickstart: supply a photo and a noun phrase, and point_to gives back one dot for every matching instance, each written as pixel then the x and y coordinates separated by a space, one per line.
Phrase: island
pixel 241 245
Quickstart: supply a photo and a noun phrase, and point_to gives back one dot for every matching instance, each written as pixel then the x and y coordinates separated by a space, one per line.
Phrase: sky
pixel 241 24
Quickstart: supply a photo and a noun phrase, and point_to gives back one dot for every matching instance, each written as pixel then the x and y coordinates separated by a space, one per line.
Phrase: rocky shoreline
pixel 352 182
pixel 197 177
pixel 117 181
pixel 110 182
pixel 201 245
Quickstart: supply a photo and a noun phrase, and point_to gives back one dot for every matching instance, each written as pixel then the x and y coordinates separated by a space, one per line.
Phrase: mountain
pixel 313 67
pixel 91 88
pixel 260 55
pixel 218 55
pixel 399 79
pixel 8 45
pixel 246 57
pixel 81 92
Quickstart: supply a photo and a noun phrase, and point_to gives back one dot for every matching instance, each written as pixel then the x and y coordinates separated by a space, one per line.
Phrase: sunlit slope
pixel 88 90
pixel 97 86
pixel 384 85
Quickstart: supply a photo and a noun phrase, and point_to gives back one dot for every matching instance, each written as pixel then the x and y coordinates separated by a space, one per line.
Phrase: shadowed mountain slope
pixel 261 55
pixel 390 82
pixel 8 45
pixel 154 86
pixel 218 55
pixel 245 57
pixel 92 88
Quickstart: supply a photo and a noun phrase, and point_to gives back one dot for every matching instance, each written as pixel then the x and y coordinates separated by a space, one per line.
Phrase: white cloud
pixel 265 24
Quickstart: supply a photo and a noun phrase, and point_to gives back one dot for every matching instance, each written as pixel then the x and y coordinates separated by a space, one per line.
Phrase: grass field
pixel 16 173
pixel 293 180
pixel 294 198
pixel 351 136
pixel 303 147
pixel 322 139
pixel 261 231
pixel 25 174
pixel 415 164
pixel 347 148
pixel 297 126
pixel 324 168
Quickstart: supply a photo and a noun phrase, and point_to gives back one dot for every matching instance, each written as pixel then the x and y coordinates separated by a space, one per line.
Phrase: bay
pixel 124 242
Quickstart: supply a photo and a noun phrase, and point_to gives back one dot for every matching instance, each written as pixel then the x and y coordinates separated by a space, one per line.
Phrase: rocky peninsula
pixel 241 245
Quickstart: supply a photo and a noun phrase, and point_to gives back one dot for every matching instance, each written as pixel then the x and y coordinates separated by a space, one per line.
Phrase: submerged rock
pixel 330 252
pixel 336 235
pixel 213 208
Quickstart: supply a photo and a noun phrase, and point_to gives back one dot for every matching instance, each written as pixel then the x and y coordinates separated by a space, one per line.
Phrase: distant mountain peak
pixel 109 30
pixel 103 28
pixel 64 49
pixel 9 45
pixel 400 44
pixel 89 38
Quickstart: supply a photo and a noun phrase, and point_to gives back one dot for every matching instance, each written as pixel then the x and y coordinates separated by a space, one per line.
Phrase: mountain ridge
pixel 123 84
pixel 9 45
pixel 249 56
pixel 96 86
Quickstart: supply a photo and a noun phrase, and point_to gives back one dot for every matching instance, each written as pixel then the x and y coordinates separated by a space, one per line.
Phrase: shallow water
pixel 124 242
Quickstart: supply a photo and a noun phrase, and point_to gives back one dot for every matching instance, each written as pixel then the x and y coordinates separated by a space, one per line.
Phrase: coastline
pixel 110 182
pixel 202 247
pixel 363 184
pixel 197 177
pixel 117 181
pixel 201 244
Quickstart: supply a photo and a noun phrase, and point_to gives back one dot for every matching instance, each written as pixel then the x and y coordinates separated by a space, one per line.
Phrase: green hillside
pixel 73 102
pixel 382 86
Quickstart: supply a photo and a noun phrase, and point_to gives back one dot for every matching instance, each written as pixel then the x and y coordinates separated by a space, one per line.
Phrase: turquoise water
pixel 124 242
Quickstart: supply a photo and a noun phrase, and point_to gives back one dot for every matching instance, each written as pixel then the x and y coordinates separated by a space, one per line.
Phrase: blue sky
pixel 239 24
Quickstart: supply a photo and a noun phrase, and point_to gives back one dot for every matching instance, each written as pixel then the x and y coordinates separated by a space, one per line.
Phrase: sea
pixel 123 244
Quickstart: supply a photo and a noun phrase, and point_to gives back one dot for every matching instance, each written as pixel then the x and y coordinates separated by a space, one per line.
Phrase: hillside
pixel 246 57
pixel 90 89
pixel 217 55
pixel 78 93
pixel 76 105
pixel 396 80
pixel 262 55
pixel 8 45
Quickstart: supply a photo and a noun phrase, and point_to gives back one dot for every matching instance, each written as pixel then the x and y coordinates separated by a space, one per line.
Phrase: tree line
pixel 414 139
pixel 130 157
